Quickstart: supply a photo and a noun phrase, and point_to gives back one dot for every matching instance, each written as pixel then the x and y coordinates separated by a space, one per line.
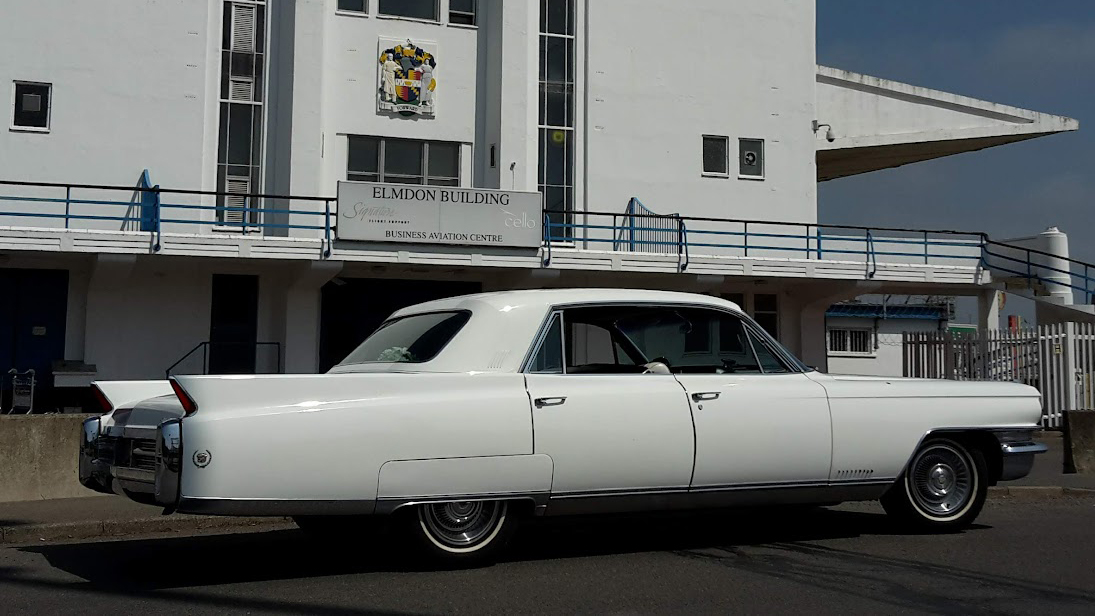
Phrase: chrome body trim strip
pixel 390 505
pixel 744 495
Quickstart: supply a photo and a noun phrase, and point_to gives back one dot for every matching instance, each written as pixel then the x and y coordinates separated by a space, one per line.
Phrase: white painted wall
pixel 130 90
pixel 662 74
pixel 142 314
pixel 886 360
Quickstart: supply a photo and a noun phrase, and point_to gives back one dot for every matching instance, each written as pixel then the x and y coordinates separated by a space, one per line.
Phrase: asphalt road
pixel 1022 557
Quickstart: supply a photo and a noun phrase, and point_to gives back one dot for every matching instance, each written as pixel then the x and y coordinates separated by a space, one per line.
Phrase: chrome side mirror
pixel 656 367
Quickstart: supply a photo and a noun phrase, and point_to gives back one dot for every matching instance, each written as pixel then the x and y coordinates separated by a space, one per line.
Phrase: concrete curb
pixel 93 529
pixel 1039 492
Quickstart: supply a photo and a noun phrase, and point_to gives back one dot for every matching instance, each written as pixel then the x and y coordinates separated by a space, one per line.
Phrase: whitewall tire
pixel 463 532
pixel 943 487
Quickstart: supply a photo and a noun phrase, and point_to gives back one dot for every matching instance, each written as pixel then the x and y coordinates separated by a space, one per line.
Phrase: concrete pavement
pixel 65 519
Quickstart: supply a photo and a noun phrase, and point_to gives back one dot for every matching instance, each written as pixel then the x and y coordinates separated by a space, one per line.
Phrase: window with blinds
pixel 243 77
pixel 243 27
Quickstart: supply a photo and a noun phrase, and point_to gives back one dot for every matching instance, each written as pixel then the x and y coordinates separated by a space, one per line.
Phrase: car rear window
pixel 409 340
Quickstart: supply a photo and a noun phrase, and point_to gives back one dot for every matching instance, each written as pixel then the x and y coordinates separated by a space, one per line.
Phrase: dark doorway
pixel 233 324
pixel 32 327
pixel 353 308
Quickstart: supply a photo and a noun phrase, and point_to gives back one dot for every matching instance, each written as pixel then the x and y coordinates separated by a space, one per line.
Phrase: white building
pixel 866 338
pixel 713 110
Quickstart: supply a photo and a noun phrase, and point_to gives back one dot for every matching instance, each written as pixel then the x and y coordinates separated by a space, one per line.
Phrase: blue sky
pixel 1037 55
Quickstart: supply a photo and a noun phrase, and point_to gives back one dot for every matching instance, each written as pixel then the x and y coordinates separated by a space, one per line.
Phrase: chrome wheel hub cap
pixel 941 480
pixel 461 524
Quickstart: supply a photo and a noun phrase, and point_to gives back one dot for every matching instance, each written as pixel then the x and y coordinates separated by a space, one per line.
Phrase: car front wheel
pixel 463 532
pixel 943 487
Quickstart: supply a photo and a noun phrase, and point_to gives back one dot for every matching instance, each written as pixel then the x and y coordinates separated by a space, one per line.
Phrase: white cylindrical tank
pixel 1054 269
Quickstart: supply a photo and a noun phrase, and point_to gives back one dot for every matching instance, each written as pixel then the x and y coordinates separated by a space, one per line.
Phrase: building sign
pixel 374 212
pixel 407 82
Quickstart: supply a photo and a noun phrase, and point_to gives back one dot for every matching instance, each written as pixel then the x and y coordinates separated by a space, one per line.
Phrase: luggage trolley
pixel 22 391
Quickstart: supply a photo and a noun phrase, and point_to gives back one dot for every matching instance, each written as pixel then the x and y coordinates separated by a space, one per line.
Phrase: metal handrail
pixel 206 344
pixel 637 229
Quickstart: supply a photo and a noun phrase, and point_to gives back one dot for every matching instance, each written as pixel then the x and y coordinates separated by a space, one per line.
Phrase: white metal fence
pixel 1059 360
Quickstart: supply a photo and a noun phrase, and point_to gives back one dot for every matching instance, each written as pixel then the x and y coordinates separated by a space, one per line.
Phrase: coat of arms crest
pixel 407 80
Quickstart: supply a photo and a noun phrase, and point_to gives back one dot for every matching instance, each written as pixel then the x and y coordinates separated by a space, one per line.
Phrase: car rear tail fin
pixel 112 395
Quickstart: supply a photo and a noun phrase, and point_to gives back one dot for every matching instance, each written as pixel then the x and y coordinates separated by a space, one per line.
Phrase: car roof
pixel 501 300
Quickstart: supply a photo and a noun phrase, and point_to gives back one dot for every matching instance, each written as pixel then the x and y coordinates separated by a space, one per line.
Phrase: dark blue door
pixel 32 325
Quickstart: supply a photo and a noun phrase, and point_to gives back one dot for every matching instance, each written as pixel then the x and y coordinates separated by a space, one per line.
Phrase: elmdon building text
pixel 444 195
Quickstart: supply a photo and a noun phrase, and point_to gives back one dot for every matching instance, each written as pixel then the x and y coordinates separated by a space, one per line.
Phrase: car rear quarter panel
pixel 326 437
pixel 878 423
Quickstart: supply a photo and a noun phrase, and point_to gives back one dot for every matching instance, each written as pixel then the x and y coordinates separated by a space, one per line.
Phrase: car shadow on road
pixel 172 562
pixel 782 543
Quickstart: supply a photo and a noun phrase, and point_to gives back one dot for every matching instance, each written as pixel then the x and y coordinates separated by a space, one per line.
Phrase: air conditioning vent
pixel 236 200
pixel 243 27
pixel 241 90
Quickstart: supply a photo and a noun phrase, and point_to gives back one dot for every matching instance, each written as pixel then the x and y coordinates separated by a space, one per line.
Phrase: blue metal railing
pixel 636 231
pixel 150 209
pixel 1035 268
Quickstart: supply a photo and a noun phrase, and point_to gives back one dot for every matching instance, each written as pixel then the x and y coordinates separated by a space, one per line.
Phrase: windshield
pixel 413 339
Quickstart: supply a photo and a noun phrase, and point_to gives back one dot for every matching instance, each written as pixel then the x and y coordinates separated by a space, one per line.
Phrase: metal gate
pixel 1058 360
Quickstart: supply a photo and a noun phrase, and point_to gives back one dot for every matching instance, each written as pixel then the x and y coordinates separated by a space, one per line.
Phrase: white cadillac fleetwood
pixel 459 416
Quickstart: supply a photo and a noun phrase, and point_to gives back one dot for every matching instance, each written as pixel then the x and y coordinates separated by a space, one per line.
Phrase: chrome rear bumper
pixel 144 469
pixel 169 447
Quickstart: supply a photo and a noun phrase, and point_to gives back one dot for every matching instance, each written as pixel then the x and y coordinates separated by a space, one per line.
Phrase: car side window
pixel 693 340
pixel 549 357
pixel 591 347
pixel 769 361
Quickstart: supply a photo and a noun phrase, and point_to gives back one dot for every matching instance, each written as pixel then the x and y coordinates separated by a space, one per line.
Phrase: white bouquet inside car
pixel 396 354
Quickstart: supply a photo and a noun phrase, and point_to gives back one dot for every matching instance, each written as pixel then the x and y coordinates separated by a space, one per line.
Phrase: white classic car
pixel 459 416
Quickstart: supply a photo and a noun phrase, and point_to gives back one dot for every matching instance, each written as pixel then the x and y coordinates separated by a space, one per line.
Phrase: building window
pixel 462 12
pixel 766 312
pixel 556 114
pixel 403 161
pixel 851 341
pixel 715 155
pixel 31 106
pixel 353 6
pixel 751 158
pixel 415 9
pixel 243 74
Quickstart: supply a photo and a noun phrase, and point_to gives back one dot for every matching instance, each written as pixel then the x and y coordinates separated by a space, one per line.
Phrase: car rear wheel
pixel 943 487
pixel 462 532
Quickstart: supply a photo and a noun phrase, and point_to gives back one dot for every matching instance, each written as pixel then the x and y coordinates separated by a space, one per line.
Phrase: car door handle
pixel 556 401
pixel 700 396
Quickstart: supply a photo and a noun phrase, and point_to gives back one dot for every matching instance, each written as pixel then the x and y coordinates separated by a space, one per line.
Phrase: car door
pixel 758 419
pixel 608 427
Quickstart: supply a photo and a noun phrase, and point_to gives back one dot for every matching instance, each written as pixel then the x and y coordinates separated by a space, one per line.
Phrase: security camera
pixel 830 136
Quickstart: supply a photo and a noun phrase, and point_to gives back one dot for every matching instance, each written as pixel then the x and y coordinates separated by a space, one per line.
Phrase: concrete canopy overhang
pixel 878 123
